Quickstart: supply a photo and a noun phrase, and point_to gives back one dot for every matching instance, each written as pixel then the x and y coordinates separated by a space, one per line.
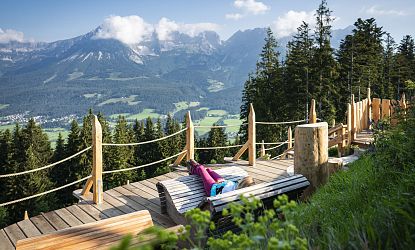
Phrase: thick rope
pixel 221 147
pixel 46 192
pixel 142 166
pixel 144 142
pixel 278 123
pixel 219 126
pixel 270 143
pixel 276 146
pixel 47 166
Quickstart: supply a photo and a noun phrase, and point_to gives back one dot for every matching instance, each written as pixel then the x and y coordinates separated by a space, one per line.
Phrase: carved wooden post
pixel 369 109
pixel 97 161
pixel 262 151
pixel 349 124
pixel 190 137
pixel 290 138
pixel 313 114
pixel 251 136
pixel 353 113
pixel 311 153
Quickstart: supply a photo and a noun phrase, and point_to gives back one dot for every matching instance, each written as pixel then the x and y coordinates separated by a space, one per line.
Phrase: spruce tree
pixel 265 90
pixel 405 64
pixel 296 73
pixel 120 157
pixel 217 138
pixel 5 155
pixel 61 173
pixel 37 153
pixel 389 68
pixel 324 67
pixel 73 146
pixel 84 168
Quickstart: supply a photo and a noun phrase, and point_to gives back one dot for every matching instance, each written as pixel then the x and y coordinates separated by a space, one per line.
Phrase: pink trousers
pixel 209 177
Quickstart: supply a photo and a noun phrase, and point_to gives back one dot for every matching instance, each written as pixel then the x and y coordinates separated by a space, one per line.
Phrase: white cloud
pixel 288 23
pixel 377 11
pixel 133 29
pixel 128 29
pixel 251 6
pixel 233 16
pixel 165 27
pixel 9 35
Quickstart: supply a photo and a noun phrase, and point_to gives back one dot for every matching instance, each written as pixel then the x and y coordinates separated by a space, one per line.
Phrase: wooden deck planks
pixel 14 233
pixel 80 214
pixel 142 195
pixel 42 224
pixel 68 217
pixel 55 220
pixel 5 242
pixel 28 228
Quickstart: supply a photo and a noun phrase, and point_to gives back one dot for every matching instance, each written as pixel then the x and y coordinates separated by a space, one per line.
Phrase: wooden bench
pixel 184 193
pixel 96 235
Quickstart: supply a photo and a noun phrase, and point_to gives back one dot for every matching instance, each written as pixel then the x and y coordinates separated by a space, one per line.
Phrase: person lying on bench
pixel 213 183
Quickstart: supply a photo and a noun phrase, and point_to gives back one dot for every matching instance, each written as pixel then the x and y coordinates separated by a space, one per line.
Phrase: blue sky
pixel 50 20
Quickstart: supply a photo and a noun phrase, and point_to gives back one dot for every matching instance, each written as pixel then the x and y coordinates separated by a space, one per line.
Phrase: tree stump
pixel 311 154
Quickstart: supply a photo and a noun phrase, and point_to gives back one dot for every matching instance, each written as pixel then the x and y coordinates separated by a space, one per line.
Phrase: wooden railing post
pixel 369 109
pixel 376 110
pixel 251 136
pixel 353 121
pixel 313 114
pixel 190 138
pixel 262 151
pixel 290 138
pixel 349 124
pixel 97 161
pixel 402 103
pixel 26 215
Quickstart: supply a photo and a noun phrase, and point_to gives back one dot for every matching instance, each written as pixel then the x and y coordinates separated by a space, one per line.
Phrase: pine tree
pixel 296 73
pixel 324 68
pixel 405 62
pixel 61 173
pixel 173 144
pixel 120 157
pixel 84 168
pixel 72 147
pixel 389 72
pixel 5 155
pixel 265 91
pixel 37 153
pixel 217 138
pixel 138 130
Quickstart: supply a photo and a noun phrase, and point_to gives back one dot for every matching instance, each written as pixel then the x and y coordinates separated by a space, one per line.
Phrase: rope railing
pixel 278 146
pixel 145 165
pixel 219 126
pixel 220 147
pixel 46 192
pixel 144 142
pixel 47 166
pixel 270 143
pixel 279 123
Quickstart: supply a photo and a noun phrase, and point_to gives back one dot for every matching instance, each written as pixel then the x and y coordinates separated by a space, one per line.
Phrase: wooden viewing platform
pixel 125 199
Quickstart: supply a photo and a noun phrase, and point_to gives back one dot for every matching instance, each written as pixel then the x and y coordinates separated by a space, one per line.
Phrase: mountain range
pixel 69 76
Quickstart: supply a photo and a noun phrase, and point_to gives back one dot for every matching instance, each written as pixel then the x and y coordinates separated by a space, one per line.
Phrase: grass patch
pixel 144 115
pixel 217 112
pixel 53 134
pixel 207 121
pixel 8 126
pixel 232 122
pixel 3 106
pixel 202 109
pixel 184 105
pixel 215 86
pixel 92 95
pixel 115 116
pixel 128 100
